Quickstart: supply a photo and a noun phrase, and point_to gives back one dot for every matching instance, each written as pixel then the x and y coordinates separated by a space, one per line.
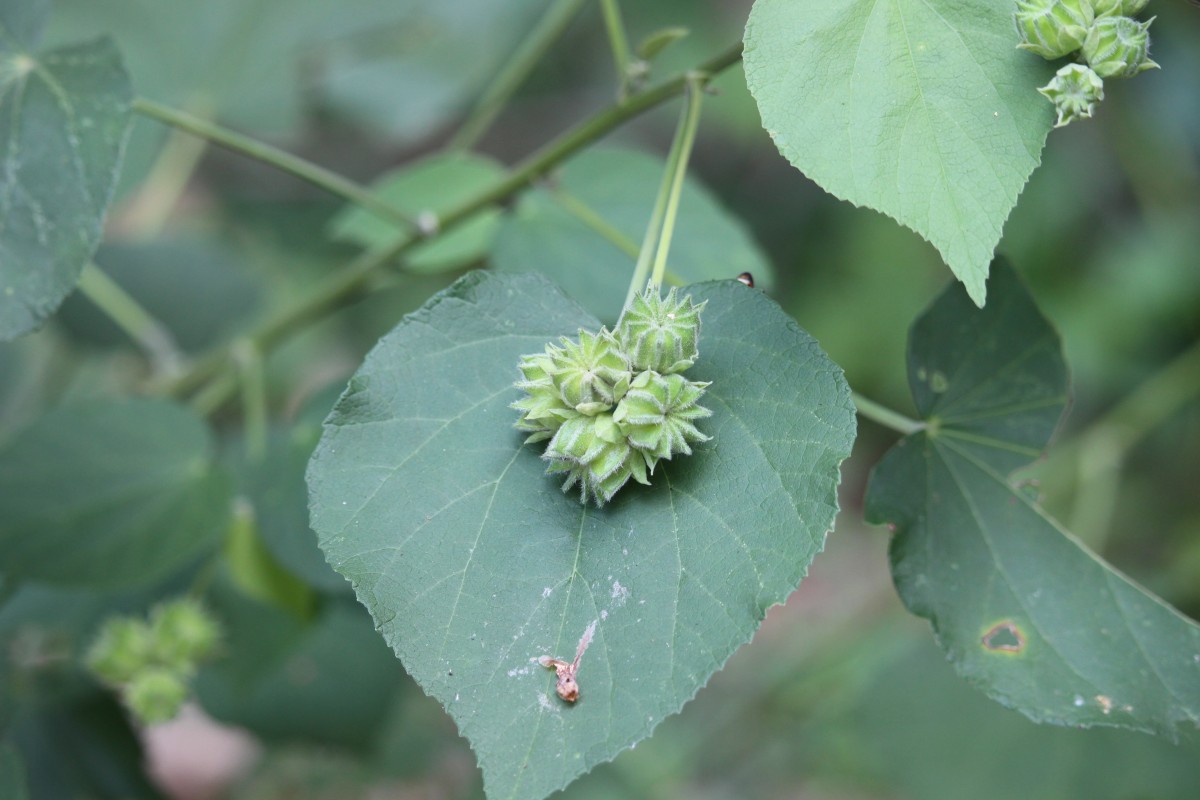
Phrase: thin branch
pixel 280 159
pixel 127 314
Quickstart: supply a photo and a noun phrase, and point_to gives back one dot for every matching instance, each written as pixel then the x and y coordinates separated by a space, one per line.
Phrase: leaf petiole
pixel 885 416
pixel 128 315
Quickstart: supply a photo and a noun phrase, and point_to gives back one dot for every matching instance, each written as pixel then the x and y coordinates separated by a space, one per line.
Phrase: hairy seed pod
pixel 542 407
pixel 658 414
pixel 594 454
pixel 1053 28
pixel 183 633
pixel 1131 8
pixel 660 333
pixel 591 374
pixel 1118 47
pixel 155 694
pixel 122 649
pixel 1107 8
pixel 1074 90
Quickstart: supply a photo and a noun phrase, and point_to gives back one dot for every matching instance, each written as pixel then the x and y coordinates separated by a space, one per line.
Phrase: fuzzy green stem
pixel 592 218
pixel 884 416
pixel 148 211
pixel 689 122
pixel 349 282
pixel 286 162
pixel 619 42
pixel 527 56
pixel 128 315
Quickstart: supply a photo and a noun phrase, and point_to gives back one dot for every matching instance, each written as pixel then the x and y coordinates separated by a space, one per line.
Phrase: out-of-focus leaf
pixel 585 231
pixel 109 494
pixel 473 563
pixel 1022 608
pixel 435 184
pixel 926 113
pixel 64 114
pixel 328 682
pixel 12 775
pixel 193 287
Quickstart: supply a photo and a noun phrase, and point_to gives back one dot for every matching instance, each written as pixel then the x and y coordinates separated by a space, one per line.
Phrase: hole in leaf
pixel 1004 637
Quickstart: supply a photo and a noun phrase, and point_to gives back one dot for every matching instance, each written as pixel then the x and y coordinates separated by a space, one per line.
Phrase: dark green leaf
pixel 925 112
pixel 194 287
pixel 585 231
pixel 435 184
pixel 1021 607
pixel 329 682
pixel 109 494
pixel 64 114
pixel 12 775
pixel 474 564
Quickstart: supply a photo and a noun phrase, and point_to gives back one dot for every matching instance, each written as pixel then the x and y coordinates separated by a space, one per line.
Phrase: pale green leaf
pixel 64 114
pixel 109 494
pixel 585 229
pixel 435 185
pixel 926 112
pixel 1021 607
pixel 473 563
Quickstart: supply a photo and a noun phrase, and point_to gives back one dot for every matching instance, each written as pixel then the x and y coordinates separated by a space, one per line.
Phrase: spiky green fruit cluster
pixel 1102 33
pixel 151 661
pixel 614 403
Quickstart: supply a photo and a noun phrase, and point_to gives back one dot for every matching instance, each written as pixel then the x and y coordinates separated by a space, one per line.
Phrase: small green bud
pixel 155 694
pixel 122 649
pixel 183 633
pixel 660 333
pixel 591 374
pixel 1118 47
pixel 1074 90
pixel 1053 28
pixel 658 413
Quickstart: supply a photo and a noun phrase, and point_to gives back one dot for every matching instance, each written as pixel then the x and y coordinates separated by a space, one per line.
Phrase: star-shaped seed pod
pixel 1075 90
pixel 591 374
pixel 660 333
pixel 1053 28
pixel 1118 47
pixel 658 413
pixel 542 407
pixel 594 453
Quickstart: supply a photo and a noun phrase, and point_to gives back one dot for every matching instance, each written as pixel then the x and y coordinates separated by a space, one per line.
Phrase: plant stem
pixel 672 182
pixel 254 398
pixel 619 41
pixel 148 211
pixel 885 416
pixel 347 283
pixel 293 165
pixel 527 55
pixel 128 315
pixel 689 122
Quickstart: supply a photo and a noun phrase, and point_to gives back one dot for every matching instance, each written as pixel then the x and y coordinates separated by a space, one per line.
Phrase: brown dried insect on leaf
pixel 567 686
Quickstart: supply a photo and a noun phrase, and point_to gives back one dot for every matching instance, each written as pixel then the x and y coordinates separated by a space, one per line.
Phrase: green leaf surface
pixel 585 231
pixel 1021 607
pixel 109 494
pixel 926 112
pixel 473 563
pixel 196 288
pixel 12 775
pixel 435 184
pixel 64 114
pixel 329 682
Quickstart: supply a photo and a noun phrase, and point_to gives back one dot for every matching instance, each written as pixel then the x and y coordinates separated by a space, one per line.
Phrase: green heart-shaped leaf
pixel 64 115
pixel 925 112
pixel 1021 607
pixel 474 564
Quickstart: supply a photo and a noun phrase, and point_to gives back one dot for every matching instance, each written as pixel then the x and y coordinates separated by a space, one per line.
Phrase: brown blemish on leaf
pixel 1004 637
pixel 1106 704
pixel 568 686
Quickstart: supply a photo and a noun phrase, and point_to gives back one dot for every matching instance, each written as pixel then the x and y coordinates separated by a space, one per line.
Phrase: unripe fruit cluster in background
pixel 614 403
pixel 151 662
pixel 1102 33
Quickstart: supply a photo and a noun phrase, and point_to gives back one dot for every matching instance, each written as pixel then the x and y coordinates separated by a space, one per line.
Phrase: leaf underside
pixel 1021 607
pixel 925 112
pixel 473 562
